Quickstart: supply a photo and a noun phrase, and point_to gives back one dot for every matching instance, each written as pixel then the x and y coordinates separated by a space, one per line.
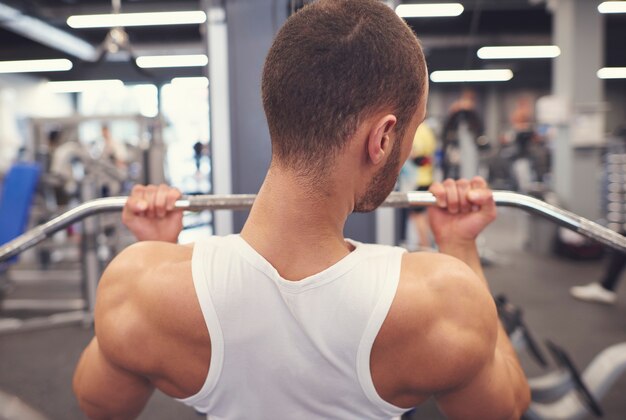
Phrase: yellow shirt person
pixel 423 154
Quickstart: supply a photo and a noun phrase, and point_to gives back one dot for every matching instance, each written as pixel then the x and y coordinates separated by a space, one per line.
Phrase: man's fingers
pixel 480 197
pixel 173 194
pixel 138 190
pixel 136 204
pixel 462 196
pixel 452 195
pixel 151 201
pixel 480 194
pixel 438 190
pixel 463 187
pixel 150 197
pixel 478 182
pixel 160 200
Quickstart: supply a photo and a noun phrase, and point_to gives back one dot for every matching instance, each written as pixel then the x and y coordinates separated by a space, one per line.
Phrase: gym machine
pixel 568 394
pixel 72 173
pixel 12 408
pixel 242 202
pixel 149 139
pixel 564 393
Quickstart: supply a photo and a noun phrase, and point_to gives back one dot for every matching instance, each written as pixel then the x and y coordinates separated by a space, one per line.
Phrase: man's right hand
pixel 150 215
pixel 464 208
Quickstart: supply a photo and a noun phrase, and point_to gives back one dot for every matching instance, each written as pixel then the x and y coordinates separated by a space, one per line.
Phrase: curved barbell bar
pixel 242 202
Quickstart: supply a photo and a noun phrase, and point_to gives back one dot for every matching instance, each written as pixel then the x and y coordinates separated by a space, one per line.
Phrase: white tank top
pixel 292 350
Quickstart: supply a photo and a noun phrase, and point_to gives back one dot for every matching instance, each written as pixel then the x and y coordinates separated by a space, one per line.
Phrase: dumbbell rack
pixel 615 185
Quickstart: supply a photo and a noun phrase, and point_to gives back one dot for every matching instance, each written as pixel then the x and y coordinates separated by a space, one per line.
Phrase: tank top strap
pixel 202 257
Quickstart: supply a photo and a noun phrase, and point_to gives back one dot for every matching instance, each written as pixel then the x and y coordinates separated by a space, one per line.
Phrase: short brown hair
pixel 333 64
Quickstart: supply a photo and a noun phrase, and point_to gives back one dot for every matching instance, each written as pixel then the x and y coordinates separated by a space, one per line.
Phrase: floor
pixel 37 366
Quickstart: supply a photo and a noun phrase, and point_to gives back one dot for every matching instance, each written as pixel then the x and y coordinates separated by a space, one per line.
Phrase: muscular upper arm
pixel 112 376
pixel 481 378
pixel 490 393
pixel 105 382
pixel 452 352
pixel 105 390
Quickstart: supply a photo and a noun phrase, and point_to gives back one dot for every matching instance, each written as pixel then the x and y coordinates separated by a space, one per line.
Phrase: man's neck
pixel 297 228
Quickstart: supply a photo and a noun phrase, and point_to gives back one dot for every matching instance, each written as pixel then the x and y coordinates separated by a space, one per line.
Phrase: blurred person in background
pixel 114 153
pixel 113 150
pixel 604 291
pixel 68 158
pixel 422 160
pixel 522 134
pixel 200 150
pixel 522 158
pixel 462 111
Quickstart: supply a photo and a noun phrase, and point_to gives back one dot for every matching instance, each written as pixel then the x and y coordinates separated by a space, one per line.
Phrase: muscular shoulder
pixel 442 320
pixel 141 271
pixel 145 293
pixel 145 256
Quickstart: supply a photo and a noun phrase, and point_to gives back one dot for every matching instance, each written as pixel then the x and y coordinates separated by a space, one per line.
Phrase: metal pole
pixel 242 202
pixel 89 250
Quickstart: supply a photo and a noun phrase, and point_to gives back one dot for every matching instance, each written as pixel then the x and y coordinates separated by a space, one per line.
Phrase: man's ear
pixel 379 142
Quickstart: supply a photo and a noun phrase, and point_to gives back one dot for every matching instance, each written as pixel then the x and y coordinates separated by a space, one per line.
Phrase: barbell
pixel 532 205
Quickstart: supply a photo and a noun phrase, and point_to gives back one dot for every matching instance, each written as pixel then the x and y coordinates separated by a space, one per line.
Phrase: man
pixel 112 150
pixel 288 320
pixel 459 143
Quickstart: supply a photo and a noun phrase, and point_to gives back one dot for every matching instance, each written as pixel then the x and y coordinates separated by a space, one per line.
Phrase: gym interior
pixel 98 95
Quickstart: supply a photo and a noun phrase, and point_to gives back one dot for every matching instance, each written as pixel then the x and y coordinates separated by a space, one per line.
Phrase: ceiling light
pixel 156 61
pixel 192 82
pixel 612 73
pixel 83 85
pixel 447 76
pixel 429 10
pixel 34 66
pixel 612 7
pixel 531 51
pixel 136 19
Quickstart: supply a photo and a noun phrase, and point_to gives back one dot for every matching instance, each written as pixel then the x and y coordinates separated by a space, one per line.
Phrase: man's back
pixel 370 336
pixel 311 337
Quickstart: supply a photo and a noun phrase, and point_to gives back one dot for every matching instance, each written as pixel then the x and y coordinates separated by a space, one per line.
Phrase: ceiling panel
pixel 449 42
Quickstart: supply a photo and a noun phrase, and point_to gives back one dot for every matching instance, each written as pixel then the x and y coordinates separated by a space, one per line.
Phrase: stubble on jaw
pixel 382 183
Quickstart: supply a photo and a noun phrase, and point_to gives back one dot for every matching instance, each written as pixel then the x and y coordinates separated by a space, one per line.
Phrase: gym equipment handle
pixel 241 202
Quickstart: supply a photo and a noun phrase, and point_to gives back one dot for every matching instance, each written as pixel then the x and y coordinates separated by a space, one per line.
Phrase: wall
pixel 616 97
pixel 250 33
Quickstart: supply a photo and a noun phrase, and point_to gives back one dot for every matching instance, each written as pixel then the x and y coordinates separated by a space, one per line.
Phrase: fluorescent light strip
pixel 193 82
pixel 137 19
pixel 450 76
pixel 612 7
pixel 35 66
pixel 612 73
pixel 83 85
pixel 531 51
pixel 161 61
pixel 429 10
